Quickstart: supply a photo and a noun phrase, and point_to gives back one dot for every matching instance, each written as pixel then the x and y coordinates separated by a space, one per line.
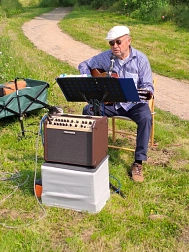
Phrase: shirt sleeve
pixel 145 74
pixel 100 61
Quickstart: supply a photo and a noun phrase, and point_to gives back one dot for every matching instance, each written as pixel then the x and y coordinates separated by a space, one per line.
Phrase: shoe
pixel 136 172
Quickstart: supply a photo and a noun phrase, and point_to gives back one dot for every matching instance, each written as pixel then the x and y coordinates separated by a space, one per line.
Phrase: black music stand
pixel 96 90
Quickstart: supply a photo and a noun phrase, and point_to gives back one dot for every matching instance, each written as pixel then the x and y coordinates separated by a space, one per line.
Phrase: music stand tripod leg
pixel 19 108
pixel 95 106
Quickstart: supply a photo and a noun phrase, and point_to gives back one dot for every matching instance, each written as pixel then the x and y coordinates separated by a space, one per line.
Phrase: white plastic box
pixel 75 187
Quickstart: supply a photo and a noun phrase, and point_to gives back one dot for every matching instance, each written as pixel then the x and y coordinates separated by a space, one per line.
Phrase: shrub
pixel 11 7
pixel 104 4
pixel 57 3
pixel 181 14
pixel 82 2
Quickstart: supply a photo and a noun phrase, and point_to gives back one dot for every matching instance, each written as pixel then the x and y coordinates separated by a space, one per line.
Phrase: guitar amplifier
pixel 74 139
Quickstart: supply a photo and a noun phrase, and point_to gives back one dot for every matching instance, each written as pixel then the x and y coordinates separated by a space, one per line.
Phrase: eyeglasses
pixel 118 42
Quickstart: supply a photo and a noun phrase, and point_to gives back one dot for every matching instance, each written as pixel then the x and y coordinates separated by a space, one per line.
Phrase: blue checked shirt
pixel 135 66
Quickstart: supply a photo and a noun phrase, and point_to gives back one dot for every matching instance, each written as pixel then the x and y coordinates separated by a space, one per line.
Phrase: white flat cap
pixel 116 32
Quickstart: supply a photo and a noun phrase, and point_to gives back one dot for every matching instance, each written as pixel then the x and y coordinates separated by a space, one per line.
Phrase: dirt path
pixel 171 95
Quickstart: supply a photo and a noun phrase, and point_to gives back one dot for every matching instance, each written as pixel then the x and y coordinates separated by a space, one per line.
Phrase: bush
pixel 11 7
pixel 57 3
pixel 181 15
pixel 67 3
pixel 82 2
pixel 104 4
pixel 158 14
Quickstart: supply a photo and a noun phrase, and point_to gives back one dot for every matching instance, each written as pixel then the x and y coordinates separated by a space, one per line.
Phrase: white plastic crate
pixel 75 187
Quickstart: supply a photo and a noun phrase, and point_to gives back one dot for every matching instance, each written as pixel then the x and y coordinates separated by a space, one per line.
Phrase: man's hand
pixel 144 94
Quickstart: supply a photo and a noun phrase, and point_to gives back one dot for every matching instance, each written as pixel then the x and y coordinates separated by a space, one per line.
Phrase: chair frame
pixel 115 131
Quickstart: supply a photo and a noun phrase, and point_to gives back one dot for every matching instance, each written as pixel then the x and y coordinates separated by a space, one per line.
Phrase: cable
pixel 10 176
pixel 35 171
pixel 117 189
pixel 41 128
pixel 13 177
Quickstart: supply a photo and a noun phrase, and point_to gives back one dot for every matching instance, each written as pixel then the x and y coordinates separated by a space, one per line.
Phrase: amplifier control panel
pixel 71 122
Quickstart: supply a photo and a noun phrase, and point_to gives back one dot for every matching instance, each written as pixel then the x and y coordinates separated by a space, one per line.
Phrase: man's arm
pixel 84 67
pixel 100 61
pixel 145 74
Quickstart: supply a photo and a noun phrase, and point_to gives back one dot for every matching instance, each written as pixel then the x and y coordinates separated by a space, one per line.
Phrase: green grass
pixel 166 45
pixel 154 216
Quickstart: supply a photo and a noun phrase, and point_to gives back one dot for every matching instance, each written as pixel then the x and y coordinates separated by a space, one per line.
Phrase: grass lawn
pixel 166 45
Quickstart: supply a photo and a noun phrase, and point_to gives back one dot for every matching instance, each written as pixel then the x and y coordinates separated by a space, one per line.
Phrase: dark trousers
pixel 140 114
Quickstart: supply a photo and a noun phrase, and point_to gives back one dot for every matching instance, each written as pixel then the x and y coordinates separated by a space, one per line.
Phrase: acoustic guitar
pixel 101 73
pixel 143 93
